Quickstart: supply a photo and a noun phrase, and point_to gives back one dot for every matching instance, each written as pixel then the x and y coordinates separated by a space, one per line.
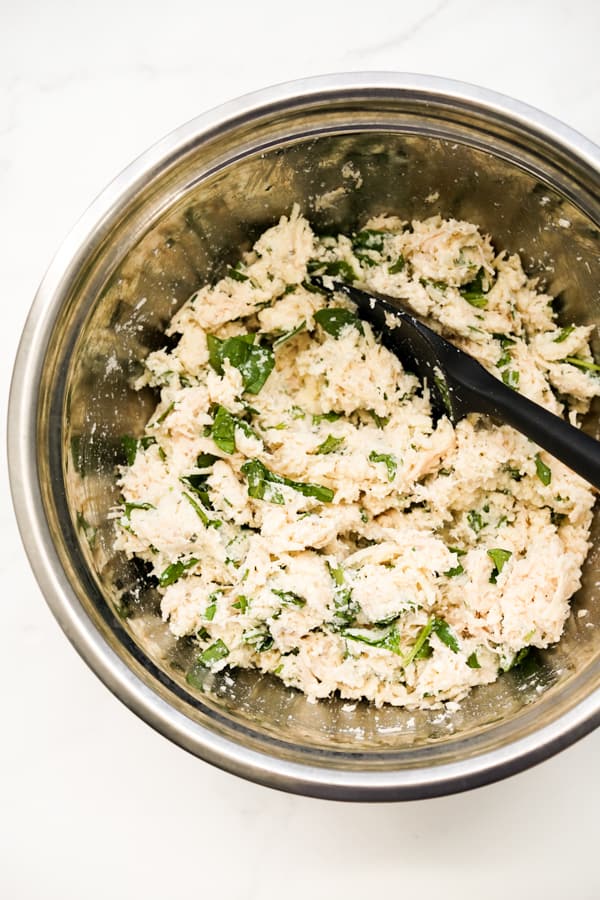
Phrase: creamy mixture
pixel 306 515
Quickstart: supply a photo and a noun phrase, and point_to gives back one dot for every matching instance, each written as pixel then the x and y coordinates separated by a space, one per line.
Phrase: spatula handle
pixel 571 446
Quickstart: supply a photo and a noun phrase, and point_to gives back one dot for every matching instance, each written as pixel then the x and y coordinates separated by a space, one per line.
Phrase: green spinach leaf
pixel 346 609
pixel 337 268
pixel 223 429
pixel 214 653
pixel 473 292
pixel 542 470
pixel 582 363
pixel 174 572
pixel 445 634
pixel 261 483
pixel 253 361
pixel 288 335
pixel 330 444
pixel 131 446
pixel 390 461
pixel 368 239
pixel 564 334
pixel 397 266
pixel 384 638
pixel 499 557
pixel 259 638
pixel 333 320
pixel 289 598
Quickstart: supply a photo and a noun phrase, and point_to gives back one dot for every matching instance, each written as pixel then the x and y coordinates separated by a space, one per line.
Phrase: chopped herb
pixel 197 483
pixel 131 446
pixel 289 598
pixel 456 570
pixel 223 429
pixel 253 361
pixel 499 558
pixel 313 288
pixel 517 658
pixel 164 414
pixel 514 473
pixel 564 334
pixel 421 648
pixel 438 285
pixel 89 530
pixel 424 652
pixel 195 677
pixel 582 363
pixel 385 638
pixel 475 521
pixel 510 377
pixel 445 634
pixel 473 662
pixel 129 507
pixel 208 523
pixel 368 239
pixel 346 609
pixel 390 461
pixel 330 444
pixel 397 266
pixel 339 268
pixel 505 341
pixel 504 360
pixel 363 516
pixel 288 335
pixel 557 518
pixel 236 274
pixel 261 481
pixel 209 612
pixel 380 421
pixel 259 638
pixel 333 320
pixel 326 417
pixel 242 603
pixel 542 470
pixel 204 460
pixel 443 389
pixel 473 292
pixel 364 258
pixel 174 572
pixel 297 413
pixel 214 653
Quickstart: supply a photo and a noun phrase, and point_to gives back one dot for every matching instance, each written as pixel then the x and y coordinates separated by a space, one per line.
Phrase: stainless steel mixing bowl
pixel 344 147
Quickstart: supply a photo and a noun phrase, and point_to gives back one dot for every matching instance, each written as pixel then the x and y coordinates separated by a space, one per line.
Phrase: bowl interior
pixel 180 227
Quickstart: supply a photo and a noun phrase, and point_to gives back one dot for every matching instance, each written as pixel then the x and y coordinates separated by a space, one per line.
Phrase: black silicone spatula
pixel 459 384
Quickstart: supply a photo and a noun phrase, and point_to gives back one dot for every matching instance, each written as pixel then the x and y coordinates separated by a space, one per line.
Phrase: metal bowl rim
pixel 22 448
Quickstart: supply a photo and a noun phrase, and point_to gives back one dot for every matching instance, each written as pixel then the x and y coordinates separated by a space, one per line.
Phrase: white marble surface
pixel 93 803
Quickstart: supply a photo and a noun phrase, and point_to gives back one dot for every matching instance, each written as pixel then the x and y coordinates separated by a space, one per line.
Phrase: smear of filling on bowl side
pixel 306 515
